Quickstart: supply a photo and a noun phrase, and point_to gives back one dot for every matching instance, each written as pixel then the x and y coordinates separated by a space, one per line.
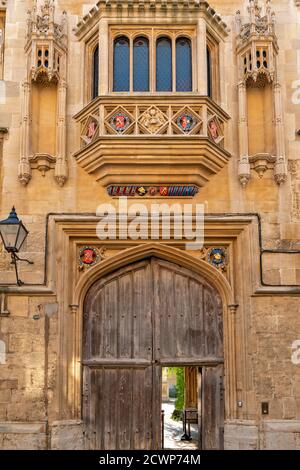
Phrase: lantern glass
pixel 13 232
pixel 9 235
pixel 22 234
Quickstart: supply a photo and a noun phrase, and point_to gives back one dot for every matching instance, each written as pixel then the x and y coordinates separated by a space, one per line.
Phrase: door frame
pixel 176 256
pixel 158 364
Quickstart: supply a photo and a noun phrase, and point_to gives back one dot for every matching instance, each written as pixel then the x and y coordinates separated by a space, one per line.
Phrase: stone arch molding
pixel 174 255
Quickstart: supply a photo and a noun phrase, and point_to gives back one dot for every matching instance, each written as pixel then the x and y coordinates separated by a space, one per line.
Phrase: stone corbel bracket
pixel 42 162
pixel 261 162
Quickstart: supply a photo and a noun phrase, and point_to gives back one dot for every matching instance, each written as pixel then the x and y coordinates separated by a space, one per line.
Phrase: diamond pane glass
pixel 163 65
pixel 121 64
pixel 183 65
pixel 141 64
pixel 95 72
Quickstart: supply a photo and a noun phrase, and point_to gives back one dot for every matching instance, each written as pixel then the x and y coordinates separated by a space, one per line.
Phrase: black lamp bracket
pixel 14 259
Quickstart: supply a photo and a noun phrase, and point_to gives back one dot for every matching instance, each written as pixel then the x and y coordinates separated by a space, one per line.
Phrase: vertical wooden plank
pixel 158 304
pixel 110 417
pixel 94 325
pixel 125 286
pixel 142 314
pixel 111 320
pixel 196 327
pixel 181 326
pixel 212 408
pixel 210 323
pixel 155 439
pixel 125 407
pixel 142 410
pixel 219 327
pixel 200 407
pixel 137 434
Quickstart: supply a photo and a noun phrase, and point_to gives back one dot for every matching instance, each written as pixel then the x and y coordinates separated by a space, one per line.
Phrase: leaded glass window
pixel 95 86
pixel 183 65
pixel 209 73
pixel 121 64
pixel 141 64
pixel 163 64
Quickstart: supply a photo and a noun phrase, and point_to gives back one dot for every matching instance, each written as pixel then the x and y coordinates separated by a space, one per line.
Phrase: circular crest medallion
pixel 217 257
pixel 119 122
pixel 186 122
pixel 88 256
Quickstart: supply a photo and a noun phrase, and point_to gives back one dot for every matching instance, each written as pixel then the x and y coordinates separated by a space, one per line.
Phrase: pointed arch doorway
pixel 144 316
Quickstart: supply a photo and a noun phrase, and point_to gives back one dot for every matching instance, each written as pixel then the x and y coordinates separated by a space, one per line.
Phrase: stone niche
pixel 261 131
pixel 43 120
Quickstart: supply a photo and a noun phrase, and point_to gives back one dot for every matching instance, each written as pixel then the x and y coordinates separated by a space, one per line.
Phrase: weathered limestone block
pixel 289 408
pixel 22 436
pixel 8 384
pixel 241 435
pixel 67 435
pixel 281 435
pixel 18 306
pixel 5 396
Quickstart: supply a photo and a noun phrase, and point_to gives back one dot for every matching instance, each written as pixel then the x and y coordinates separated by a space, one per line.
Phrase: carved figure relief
pixel 153 119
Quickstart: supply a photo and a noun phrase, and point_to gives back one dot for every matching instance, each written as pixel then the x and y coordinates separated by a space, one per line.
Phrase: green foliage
pixel 179 403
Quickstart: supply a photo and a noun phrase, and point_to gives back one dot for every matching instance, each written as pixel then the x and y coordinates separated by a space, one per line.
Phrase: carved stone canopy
pixel 257 44
pixel 44 23
pixel 46 42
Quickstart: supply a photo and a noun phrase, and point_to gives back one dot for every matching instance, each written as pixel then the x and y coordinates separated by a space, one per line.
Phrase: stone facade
pixel 252 206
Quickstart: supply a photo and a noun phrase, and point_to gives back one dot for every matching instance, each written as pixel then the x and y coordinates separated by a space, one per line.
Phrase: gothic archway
pixel 136 319
pixel 72 375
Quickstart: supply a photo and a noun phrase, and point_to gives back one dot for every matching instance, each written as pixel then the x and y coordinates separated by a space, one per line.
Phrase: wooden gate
pixel 136 320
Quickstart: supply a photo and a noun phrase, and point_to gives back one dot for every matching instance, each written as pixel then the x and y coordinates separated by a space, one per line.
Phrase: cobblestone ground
pixel 173 431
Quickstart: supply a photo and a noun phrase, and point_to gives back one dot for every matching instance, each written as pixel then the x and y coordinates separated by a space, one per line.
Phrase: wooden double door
pixel 136 320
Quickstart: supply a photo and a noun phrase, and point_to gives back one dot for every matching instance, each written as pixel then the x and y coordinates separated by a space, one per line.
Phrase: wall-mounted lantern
pixel 13 234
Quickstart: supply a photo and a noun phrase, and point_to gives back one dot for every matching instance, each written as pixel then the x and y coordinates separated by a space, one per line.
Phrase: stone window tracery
pixel 153 62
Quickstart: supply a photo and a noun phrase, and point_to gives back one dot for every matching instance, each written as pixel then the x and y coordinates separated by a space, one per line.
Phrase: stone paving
pixel 173 431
